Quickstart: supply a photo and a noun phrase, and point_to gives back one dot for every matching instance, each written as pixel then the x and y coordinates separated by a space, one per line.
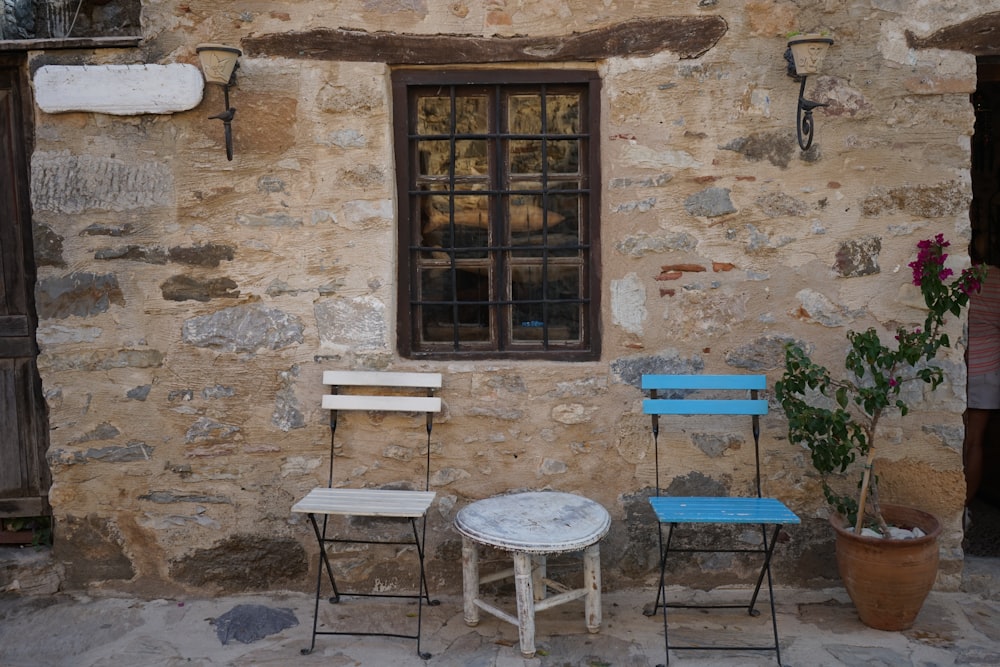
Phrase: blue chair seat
pixel 699 509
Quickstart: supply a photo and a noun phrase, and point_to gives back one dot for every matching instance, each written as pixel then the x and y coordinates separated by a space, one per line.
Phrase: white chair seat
pixel 366 502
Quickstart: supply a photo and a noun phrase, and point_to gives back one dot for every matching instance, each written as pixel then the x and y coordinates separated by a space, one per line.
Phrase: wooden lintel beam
pixel 687 36
pixel 979 36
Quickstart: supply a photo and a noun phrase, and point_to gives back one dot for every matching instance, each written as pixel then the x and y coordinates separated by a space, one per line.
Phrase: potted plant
pixel 837 418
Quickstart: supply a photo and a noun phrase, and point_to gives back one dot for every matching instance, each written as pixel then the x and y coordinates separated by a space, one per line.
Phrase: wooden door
pixel 24 474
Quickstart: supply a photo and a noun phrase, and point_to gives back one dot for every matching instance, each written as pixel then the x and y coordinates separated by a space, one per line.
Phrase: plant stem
pixel 864 489
pixel 869 460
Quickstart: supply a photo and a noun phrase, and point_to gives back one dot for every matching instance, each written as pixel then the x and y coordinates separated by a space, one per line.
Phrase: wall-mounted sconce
pixel 805 55
pixel 219 63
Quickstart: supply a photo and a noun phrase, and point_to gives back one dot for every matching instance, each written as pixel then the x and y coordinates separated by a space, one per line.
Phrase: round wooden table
pixel 531 526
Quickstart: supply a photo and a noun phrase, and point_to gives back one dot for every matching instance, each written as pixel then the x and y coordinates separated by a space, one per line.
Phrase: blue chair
pixel 668 395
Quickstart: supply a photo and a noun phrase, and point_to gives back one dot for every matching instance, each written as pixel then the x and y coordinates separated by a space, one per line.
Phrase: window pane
pixel 534 223
pixel 472 114
pixel 566 319
pixel 435 157
pixel 563 157
pixel 563 282
pixel 434 211
pixel 535 316
pixel 525 114
pixel 566 234
pixel 528 213
pixel 563 114
pixel 456 304
pixel 433 115
pixel 472 211
pixel 471 159
pixel 528 311
pixel 525 156
pixel 456 221
pixel 559 157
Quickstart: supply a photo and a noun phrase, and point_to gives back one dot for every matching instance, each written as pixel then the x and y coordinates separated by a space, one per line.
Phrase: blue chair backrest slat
pixel 695 406
pixel 704 381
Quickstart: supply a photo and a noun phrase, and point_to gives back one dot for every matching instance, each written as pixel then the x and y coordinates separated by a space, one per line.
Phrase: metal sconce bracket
pixel 219 64
pixel 804 124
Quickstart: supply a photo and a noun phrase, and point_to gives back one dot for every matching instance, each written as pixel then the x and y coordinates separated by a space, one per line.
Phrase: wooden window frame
pixel 404 82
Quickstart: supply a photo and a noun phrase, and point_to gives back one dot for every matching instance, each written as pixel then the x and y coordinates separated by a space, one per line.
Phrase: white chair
pixel 405 505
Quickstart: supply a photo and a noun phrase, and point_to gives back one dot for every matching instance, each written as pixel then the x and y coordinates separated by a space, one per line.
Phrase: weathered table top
pixel 535 522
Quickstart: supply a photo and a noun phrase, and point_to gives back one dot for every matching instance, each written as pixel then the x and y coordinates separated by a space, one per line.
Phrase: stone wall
pixel 188 305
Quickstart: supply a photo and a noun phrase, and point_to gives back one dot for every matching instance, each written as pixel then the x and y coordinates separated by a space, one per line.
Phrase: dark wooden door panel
pixel 15 325
pixel 24 474
pixel 19 424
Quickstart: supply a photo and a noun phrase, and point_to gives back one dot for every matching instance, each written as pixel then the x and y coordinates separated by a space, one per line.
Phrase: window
pixel 498 178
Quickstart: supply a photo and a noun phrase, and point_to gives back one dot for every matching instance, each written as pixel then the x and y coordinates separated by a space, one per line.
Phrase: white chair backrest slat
pixel 382 379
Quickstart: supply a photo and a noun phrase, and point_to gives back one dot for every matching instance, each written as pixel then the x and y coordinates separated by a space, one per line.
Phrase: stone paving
pixel 818 628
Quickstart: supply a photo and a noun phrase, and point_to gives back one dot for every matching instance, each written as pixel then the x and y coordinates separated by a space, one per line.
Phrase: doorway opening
pixel 982 537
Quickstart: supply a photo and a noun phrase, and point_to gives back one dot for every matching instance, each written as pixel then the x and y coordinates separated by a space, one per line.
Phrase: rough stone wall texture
pixel 188 305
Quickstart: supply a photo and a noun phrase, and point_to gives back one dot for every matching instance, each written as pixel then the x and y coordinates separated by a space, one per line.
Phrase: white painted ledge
pixel 119 90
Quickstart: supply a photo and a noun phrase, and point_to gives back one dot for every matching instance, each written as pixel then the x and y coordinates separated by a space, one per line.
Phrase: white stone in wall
pixel 119 90
pixel 57 334
pixel 573 413
pixel 819 308
pixel 644 156
pixel 357 322
pixel 628 303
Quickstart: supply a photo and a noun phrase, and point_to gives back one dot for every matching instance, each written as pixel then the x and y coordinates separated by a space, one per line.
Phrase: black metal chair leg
pixel 663 592
pixel 319 584
pixel 770 593
pixel 766 568
pixel 423 592
pixel 323 564
pixel 651 611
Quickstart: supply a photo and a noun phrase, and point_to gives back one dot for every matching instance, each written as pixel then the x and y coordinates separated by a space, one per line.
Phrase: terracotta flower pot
pixel 887 579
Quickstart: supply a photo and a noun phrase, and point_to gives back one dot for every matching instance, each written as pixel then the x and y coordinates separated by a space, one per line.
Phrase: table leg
pixel 538 574
pixel 592 582
pixel 470 581
pixel 525 603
